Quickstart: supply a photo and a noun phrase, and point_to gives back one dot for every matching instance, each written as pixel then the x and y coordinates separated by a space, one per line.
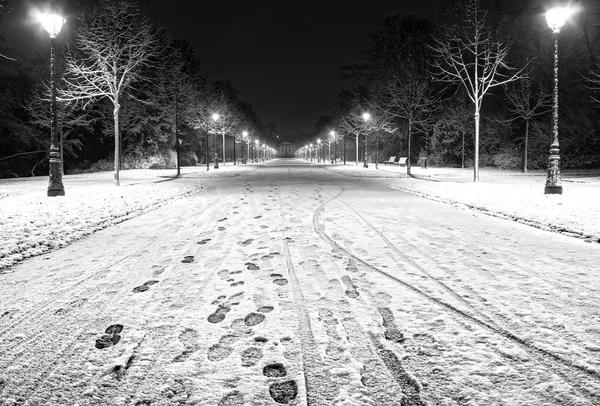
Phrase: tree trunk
pixel 207 153
pixel 117 142
pixel 476 159
pixel 234 151
pixel 408 152
pixel 463 150
pixel 344 150
pixel 62 151
pixel 526 142
pixel 177 139
pixel 223 149
pixel 356 149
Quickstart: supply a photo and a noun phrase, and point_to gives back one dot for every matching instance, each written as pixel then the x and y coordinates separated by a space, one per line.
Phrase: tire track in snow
pixel 70 349
pixel 44 306
pixel 380 374
pixel 549 358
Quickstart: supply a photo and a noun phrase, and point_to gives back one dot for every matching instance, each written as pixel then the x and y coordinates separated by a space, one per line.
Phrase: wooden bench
pixel 401 161
pixel 390 161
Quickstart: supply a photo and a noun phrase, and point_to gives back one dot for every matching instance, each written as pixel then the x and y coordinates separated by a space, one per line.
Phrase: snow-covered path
pixel 294 285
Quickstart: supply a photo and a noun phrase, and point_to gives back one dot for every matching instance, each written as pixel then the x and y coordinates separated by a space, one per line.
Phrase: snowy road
pixel 294 285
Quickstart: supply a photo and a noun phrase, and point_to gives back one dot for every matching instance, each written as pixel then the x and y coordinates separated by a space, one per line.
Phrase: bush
pixel 508 157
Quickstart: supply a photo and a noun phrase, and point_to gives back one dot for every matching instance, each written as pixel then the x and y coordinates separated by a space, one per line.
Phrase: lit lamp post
pixel 332 135
pixel 52 24
pixel 245 138
pixel 366 117
pixel 215 118
pixel 319 150
pixel 556 18
pixel 311 151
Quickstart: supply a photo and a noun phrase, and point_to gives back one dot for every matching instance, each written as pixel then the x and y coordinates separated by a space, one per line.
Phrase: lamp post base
pixel 56 192
pixel 55 185
pixel 553 190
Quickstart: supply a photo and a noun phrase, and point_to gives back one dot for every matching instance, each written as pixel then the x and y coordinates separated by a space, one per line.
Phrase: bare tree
pixel 473 52
pixel 527 104
pixel 112 45
pixel 4 9
pixel 69 121
pixel 380 121
pixel 351 106
pixel 413 100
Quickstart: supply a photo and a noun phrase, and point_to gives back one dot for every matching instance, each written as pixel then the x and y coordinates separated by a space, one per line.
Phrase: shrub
pixel 508 157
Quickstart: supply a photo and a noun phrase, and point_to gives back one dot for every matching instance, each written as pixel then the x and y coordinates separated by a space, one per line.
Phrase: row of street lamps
pixel 52 23
pixel 260 151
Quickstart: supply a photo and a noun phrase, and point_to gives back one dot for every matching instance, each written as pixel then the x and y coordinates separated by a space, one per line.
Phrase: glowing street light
pixel 366 117
pixel 332 135
pixel 245 138
pixel 215 118
pixel 556 18
pixel 53 23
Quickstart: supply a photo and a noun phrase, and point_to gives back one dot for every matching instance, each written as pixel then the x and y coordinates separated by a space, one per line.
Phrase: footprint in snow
pixel 279 279
pixel 204 241
pixel 252 319
pixel 251 356
pixel 188 259
pixel 223 219
pixel 257 217
pixel 284 392
pixel 265 309
pixel 275 370
pixel 144 287
pixel 111 336
pixel 234 398
pixel 238 283
pixel 219 315
pixel 252 266
pixel 247 242
pixel 221 228
pixel 218 352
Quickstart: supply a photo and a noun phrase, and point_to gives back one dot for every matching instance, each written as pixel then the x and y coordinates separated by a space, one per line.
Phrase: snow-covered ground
pixel 32 223
pixel 291 284
pixel 506 194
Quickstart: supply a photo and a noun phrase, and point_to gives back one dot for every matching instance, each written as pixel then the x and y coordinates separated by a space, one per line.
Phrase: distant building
pixel 287 149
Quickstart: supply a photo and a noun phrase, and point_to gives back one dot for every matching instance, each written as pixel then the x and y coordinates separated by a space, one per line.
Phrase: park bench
pixel 390 161
pixel 401 161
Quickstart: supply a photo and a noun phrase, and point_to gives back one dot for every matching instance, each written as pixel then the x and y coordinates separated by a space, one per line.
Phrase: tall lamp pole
pixel 556 18
pixel 215 118
pixel 52 24
pixel 366 117
pixel 332 134
pixel 245 138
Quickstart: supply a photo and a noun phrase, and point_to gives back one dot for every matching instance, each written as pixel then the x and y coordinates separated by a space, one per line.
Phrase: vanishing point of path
pixel 292 284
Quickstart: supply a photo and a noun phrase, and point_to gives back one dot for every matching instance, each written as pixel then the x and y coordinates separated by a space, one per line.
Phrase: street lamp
pixel 311 151
pixel 245 137
pixel 319 150
pixel 53 23
pixel 256 142
pixel 215 118
pixel 332 135
pixel 556 18
pixel 366 117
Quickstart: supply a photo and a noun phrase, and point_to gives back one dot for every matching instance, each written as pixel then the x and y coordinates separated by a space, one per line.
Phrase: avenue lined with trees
pixel 127 97
pixel 472 87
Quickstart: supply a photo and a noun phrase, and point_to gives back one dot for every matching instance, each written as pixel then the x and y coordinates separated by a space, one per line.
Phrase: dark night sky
pixel 284 57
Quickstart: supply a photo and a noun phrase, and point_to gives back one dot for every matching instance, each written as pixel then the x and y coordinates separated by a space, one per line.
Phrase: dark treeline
pixel 430 80
pixel 129 96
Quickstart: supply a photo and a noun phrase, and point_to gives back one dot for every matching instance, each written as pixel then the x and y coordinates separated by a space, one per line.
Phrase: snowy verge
pixel 32 223
pixel 511 195
pixel 572 214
